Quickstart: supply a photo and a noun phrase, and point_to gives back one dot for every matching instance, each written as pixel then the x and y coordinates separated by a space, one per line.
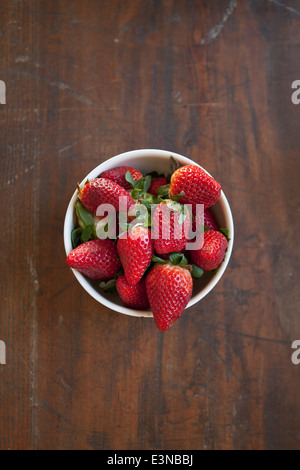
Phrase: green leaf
pixel 149 197
pixel 196 271
pixel 163 191
pixel 178 259
pixel 87 233
pixel 139 184
pixel 76 237
pixel 129 179
pixel 225 232
pixel 157 259
pixel 85 217
pixel 148 221
pixel 124 226
pixel 183 215
pixel 108 286
pixel 136 193
pixel 147 182
pixel 146 203
pixel 152 199
pixel 178 196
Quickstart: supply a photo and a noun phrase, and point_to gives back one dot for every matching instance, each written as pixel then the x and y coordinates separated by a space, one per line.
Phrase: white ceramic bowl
pixel 147 160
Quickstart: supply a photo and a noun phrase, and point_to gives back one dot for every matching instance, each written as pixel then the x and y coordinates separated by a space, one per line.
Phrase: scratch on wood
pixel 34 345
pixel 246 335
pixel 21 59
pixel 213 105
pixel 33 274
pixel 57 84
pixel 14 178
pixel 65 385
pixel 291 9
pixel 63 86
pixel 52 411
pixel 73 144
pixel 215 31
pixel 228 368
pixel 289 433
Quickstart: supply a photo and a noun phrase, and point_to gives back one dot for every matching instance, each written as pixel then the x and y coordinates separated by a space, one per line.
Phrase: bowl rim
pixel 119 160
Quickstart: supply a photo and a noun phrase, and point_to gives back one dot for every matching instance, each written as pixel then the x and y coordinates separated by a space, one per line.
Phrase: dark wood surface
pixel 87 80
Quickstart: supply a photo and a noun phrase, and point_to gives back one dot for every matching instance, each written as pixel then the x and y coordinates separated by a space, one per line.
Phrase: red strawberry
pixel 209 220
pixel 132 296
pixel 97 259
pixel 212 253
pixel 103 191
pixel 170 227
pixel 118 175
pixel 169 289
pixel 198 186
pixel 135 250
pixel 156 183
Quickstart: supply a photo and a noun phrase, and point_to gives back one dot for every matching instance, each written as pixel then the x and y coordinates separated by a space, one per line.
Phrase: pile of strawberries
pixel 148 269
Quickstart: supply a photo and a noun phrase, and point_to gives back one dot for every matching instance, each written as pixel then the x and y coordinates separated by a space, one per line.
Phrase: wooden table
pixel 86 80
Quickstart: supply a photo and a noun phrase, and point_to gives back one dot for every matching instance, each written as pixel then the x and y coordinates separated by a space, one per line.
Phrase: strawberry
pixel 197 185
pixel 212 253
pixel 170 225
pixel 156 183
pixel 169 289
pixel 118 175
pixel 132 296
pixel 135 249
pixel 103 191
pixel 209 220
pixel 96 259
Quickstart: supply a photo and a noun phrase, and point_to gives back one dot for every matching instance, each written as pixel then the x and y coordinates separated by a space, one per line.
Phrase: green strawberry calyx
pixel 141 186
pixel 110 285
pixel 179 259
pixel 225 232
pixel 86 229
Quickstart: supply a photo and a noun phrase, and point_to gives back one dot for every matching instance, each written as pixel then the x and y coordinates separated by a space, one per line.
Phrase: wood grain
pixel 89 80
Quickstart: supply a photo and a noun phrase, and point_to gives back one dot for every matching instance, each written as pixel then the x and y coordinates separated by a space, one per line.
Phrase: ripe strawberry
pixel 132 296
pixel 169 289
pixel 198 186
pixel 212 253
pixel 96 259
pixel 135 250
pixel 156 183
pixel 170 227
pixel 103 191
pixel 118 175
pixel 209 220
